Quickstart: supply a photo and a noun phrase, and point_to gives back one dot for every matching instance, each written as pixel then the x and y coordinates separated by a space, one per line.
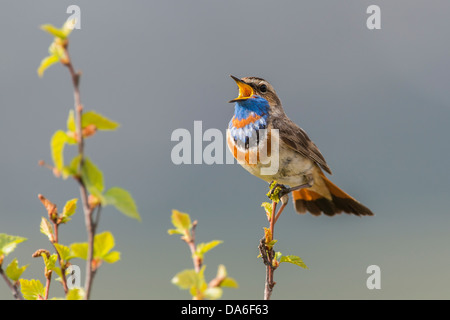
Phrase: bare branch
pixel 268 254
pixel 88 211
pixel 191 243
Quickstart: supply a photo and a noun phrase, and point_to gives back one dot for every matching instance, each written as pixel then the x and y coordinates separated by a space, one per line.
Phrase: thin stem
pixel 88 211
pixel 63 267
pixel 47 285
pixel 191 243
pixel 15 292
pixel 91 236
pixel 55 238
pixel 97 218
pixel 267 257
pixel 63 276
pixel 279 212
pixel 272 219
pixel 268 288
pixel 269 254
pixel 89 269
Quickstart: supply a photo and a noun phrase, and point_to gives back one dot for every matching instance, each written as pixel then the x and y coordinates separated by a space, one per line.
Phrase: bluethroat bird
pixel 300 163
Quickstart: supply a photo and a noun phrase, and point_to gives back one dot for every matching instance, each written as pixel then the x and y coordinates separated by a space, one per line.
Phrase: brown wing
pixel 297 139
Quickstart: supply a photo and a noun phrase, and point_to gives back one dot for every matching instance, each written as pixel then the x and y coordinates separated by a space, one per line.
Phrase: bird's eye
pixel 263 88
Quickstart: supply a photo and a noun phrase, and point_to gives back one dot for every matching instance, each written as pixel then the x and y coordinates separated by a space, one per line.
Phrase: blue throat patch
pixel 255 104
pixel 254 107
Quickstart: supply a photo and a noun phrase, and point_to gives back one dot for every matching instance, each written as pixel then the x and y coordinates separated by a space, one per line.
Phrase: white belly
pixel 289 168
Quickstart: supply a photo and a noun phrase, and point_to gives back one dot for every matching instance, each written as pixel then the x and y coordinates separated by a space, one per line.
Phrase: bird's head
pixel 256 94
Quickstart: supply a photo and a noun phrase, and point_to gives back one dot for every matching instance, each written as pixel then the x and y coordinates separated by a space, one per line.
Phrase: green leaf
pixel 75 294
pixel 71 138
pixel 71 169
pixel 181 221
pixel 92 177
pixel 112 257
pixel 103 243
pixel 70 207
pixel 57 144
pixel 79 250
pixel 32 289
pixel 123 201
pixel 221 271
pixel 8 243
pixel 57 270
pixel 213 293
pixel 100 122
pixel 56 49
pixel 46 228
pixel 268 207
pixel 229 282
pixel 185 279
pixel 46 63
pixel 71 122
pixel 64 252
pixel 278 255
pixel 68 26
pixel 50 262
pixel 13 271
pixel 294 260
pixel 189 279
pixel 75 163
pixel 200 285
pixel 202 248
pixel 174 231
pixel 58 33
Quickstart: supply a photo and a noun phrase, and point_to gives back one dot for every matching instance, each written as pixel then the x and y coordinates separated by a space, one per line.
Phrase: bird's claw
pixel 277 191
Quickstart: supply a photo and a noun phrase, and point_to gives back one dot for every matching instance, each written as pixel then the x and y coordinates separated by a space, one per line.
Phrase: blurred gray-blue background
pixel 375 102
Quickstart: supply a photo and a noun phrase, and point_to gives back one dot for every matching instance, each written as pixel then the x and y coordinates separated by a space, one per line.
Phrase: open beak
pixel 245 90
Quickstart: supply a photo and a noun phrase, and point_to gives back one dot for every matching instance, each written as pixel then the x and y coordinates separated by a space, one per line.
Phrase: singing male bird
pixel 301 165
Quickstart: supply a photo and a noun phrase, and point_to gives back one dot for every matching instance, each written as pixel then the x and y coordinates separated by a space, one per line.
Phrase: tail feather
pixel 315 203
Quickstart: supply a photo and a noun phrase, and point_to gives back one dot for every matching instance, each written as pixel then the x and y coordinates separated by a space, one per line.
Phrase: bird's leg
pixel 275 186
pixel 309 183
pixel 285 190
pixel 283 194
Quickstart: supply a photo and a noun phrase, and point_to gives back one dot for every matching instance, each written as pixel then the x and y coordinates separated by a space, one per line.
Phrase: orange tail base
pixel 315 203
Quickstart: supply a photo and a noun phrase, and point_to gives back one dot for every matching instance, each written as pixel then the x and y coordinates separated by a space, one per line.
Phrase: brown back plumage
pixel 297 139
